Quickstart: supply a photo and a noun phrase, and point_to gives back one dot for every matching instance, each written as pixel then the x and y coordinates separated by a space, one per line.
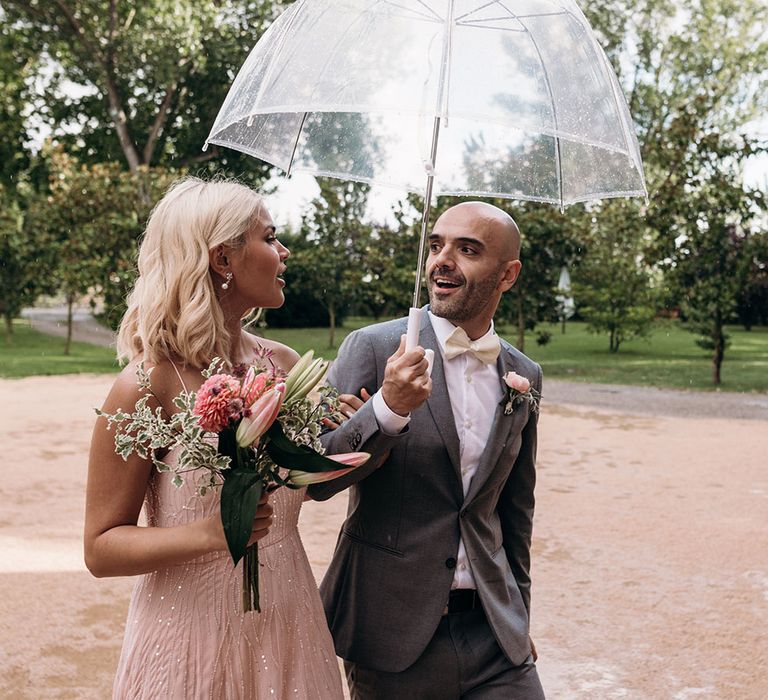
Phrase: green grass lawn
pixel 33 353
pixel 668 358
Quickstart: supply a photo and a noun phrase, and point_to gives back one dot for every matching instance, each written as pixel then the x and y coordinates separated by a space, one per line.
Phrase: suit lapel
pixel 500 430
pixel 439 402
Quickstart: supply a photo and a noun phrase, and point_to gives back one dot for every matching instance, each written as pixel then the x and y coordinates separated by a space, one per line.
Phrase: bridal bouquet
pixel 236 432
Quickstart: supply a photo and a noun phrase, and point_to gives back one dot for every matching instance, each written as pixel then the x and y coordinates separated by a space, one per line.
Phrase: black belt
pixel 462 600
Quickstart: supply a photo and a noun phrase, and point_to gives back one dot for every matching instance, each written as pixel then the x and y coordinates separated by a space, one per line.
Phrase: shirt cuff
pixel 390 423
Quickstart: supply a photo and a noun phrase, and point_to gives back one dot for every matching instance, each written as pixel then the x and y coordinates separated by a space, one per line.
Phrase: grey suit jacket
pixel 391 573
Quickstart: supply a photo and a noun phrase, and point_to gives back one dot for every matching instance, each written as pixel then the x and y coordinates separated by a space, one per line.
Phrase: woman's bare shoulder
pixel 164 383
pixel 285 357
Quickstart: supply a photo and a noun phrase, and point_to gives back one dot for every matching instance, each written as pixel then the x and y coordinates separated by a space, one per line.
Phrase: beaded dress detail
pixel 186 635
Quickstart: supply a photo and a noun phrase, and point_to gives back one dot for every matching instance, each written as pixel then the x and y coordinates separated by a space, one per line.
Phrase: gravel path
pixel 650 551
pixel 658 402
pixel 615 397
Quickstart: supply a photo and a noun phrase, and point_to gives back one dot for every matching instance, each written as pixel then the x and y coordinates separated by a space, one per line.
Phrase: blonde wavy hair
pixel 173 312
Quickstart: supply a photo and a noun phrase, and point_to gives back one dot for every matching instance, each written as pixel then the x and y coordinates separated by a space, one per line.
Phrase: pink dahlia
pixel 218 401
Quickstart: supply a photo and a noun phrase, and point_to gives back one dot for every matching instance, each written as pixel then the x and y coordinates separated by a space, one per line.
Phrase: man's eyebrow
pixel 464 240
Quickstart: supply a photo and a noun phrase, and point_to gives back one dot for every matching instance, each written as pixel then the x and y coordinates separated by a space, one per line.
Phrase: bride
pixel 209 256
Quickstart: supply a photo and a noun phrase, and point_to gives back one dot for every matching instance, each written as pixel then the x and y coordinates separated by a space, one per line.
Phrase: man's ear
pixel 218 260
pixel 511 272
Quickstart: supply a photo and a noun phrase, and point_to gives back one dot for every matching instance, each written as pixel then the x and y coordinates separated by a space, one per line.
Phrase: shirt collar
pixel 443 329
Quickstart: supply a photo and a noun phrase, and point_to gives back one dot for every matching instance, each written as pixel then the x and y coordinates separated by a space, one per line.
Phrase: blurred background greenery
pixel 103 104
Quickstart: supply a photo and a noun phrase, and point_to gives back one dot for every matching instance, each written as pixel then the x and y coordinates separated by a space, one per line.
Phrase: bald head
pixel 501 229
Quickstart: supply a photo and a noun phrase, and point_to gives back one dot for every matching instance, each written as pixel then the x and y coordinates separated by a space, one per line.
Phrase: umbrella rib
pixel 296 143
pixel 431 16
pixel 477 9
pixel 479 22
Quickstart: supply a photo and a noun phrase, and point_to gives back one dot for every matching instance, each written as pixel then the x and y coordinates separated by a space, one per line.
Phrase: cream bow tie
pixel 485 349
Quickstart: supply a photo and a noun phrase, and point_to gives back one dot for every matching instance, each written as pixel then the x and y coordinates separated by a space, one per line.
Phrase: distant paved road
pixel 85 328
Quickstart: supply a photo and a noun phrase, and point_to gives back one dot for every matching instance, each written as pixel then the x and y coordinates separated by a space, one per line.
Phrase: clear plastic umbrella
pixel 464 97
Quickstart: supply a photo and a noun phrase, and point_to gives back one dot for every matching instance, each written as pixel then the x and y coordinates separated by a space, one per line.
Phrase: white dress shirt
pixel 475 391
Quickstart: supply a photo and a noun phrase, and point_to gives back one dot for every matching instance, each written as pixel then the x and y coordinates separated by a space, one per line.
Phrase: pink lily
pixel 263 413
pixel 353 459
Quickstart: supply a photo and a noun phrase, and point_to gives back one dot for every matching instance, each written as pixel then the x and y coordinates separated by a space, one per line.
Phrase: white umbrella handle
pixel 412 337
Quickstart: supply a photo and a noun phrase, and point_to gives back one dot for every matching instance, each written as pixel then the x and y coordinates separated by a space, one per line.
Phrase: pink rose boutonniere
pixel 519 388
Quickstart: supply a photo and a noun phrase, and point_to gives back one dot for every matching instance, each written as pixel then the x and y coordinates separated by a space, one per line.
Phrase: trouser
pixel 463 660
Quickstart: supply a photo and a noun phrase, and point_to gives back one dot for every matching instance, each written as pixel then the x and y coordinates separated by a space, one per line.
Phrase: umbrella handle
pixel 412 337
pixel 414 326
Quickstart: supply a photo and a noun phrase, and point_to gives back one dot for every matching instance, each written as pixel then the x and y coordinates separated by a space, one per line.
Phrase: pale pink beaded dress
pixel 187 637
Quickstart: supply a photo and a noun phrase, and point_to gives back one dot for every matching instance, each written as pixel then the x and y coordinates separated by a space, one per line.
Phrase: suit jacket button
pixel 450 562
pixel 463 514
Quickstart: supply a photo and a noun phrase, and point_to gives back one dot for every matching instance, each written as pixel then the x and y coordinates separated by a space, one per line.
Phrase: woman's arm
pixel 114 544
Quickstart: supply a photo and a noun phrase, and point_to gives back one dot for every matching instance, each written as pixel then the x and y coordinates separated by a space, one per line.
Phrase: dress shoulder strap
pixel 178 374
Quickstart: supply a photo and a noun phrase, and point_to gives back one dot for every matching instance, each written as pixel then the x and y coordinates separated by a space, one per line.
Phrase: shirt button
pixel 463 566
pixel 450 563
pixel 468 424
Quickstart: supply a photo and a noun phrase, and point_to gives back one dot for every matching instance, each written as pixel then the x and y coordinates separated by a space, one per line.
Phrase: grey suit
pixel 386 588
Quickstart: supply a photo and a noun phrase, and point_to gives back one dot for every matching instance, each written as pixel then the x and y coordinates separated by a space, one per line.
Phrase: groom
pixel 428 593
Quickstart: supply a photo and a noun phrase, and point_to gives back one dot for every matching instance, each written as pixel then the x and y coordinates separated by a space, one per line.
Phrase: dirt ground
pixel 650 556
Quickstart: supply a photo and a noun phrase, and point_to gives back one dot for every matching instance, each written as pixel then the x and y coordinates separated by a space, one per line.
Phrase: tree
pixel 92 218
pixel 154 73
pixel 17 67
pixel 752 297
pixel 549 239
pixel 390 265
pixel 327 266
pixel 711 261
pixel 685 88
pixel 25 262
pixel 614 293
pixel 690 93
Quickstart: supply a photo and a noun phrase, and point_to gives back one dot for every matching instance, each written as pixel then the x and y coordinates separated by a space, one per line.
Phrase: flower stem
pixel 251 579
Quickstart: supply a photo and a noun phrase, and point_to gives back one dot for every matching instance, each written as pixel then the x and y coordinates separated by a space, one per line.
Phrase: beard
pixel 468 302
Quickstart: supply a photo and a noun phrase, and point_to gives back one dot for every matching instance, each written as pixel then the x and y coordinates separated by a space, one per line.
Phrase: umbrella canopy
pixel 525 102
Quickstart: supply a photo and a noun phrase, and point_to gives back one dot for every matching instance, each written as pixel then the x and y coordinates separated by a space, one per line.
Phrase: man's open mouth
pixel 446 283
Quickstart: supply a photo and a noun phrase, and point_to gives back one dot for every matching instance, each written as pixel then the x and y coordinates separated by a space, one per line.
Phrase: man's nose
pixel 443 258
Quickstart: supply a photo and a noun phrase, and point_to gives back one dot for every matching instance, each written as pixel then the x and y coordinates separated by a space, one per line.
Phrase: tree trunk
pixel 717 358
pixel 70 304
pixel 562 324
pixel 613 343
pixel 520 322
pixel 331 326
pixel 8 328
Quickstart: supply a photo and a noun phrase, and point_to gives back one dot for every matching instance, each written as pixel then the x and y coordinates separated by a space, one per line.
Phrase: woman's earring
pixel 225 285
